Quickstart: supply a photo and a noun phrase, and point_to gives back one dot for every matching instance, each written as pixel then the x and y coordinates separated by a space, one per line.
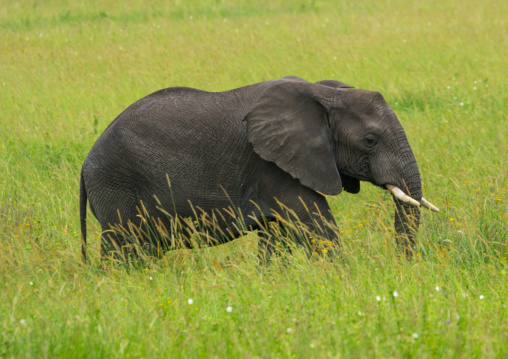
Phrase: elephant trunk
pixel 407 208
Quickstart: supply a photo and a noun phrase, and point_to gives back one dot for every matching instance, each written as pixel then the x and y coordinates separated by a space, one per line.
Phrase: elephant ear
pixel 335 84
pixel 350 184
pixel 288 125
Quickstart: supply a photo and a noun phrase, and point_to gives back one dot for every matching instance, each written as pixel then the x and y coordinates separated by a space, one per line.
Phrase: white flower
pixel 378 298
pixel 22 322
pixel 31 283
pixel 415 335
pixel 395 294
pixel 481 296
pixel 437 288
pixel 229 309
pixel 190 301
pixel 312 345
pixel 151 278
pixel 449 87
pixel 289 330
pixel 359 313
pixel 462 103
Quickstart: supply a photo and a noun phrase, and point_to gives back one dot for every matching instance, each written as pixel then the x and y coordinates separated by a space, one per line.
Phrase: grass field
pixel 68 68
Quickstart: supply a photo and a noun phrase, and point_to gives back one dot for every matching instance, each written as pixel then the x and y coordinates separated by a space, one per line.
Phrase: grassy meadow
pixel 67 69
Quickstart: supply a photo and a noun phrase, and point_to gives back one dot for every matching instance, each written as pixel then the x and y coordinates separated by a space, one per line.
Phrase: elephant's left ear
pixel 289 126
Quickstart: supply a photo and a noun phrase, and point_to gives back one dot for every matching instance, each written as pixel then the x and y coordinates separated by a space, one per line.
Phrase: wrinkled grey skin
pixel 284 140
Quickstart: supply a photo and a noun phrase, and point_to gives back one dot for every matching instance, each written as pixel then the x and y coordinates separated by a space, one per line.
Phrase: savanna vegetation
pixel 67 69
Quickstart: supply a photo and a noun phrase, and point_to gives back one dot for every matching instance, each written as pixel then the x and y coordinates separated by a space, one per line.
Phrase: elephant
pixel 282 143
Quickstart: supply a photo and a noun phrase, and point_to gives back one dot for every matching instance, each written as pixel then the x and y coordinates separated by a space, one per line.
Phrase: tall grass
pixel 66 71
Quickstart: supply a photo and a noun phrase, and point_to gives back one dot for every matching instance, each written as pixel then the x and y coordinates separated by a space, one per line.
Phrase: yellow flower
pixel 452 219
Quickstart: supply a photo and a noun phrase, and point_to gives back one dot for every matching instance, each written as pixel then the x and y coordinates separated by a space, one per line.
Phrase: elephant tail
pixel 82 214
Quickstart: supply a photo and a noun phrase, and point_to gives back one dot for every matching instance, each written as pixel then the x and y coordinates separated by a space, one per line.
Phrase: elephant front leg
pixel 266 247
pixel 319 233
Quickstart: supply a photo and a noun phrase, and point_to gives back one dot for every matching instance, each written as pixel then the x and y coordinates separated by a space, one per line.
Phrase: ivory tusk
pixel 429 205
pixel 397 193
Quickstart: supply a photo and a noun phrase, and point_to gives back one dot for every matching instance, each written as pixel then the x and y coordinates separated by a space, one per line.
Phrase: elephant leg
pixel 268 246
pixel 122 235
pixel 305 217
pixel 320 228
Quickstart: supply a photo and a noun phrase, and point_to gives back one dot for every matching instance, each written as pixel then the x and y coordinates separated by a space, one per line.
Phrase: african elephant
pixel 280 142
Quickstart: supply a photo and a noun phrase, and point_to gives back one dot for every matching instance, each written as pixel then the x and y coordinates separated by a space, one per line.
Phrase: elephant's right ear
pixel 288 125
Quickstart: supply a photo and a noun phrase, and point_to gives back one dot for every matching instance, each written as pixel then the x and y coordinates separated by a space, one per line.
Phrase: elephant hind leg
pixel 121 233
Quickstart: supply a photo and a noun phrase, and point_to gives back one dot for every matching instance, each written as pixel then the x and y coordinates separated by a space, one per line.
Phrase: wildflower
pixel 415 335
pixel 151 278
pixel 395 294
pixel 437 288
pixel 190 301
pixel 289 330
pixel 481 296
pixel 378 298
pixel 359 313
pixel 312 345
pixel 31 283
pixel 22 322
pixel 452 219
pixel 229 309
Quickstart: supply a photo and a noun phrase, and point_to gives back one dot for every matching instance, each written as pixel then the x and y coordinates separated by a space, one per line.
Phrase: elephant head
pixel 331 136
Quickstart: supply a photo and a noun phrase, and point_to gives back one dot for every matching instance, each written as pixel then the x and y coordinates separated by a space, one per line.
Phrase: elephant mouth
pixel 401 196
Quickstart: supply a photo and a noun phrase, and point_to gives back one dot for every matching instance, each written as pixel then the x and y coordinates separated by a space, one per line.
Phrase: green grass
pixel 66 71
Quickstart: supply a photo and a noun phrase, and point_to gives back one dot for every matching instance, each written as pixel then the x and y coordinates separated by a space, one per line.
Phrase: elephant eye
pixel 370 140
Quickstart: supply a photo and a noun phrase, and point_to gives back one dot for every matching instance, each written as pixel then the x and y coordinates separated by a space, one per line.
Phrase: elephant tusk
pixel 429 205
pixel 397 193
